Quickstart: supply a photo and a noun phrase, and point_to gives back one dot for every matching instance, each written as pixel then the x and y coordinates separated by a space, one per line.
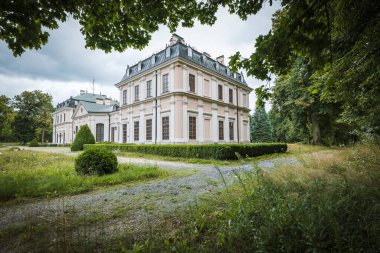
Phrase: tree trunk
pixel 43 135
pixel 316 131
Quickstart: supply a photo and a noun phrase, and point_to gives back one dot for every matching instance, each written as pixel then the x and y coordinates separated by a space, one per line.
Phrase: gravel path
pixel 138 204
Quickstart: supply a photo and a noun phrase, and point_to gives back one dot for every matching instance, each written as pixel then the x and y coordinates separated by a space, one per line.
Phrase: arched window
pixel 99 132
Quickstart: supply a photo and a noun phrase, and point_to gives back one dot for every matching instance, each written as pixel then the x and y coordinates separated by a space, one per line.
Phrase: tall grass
pixel 28 174
pixel 331 204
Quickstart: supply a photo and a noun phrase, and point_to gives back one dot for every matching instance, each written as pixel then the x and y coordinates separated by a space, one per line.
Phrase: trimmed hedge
pixel 84 136
pixel 96 161
pixel 206 151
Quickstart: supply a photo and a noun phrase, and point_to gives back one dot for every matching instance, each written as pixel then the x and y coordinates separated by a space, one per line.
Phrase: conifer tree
pixel 260 128
pixel 84 136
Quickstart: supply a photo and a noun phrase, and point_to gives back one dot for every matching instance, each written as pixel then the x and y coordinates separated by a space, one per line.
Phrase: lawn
pixel 28 174
pixel 329 204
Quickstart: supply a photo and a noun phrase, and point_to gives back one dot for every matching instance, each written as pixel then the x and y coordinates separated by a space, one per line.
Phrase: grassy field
pixel 293 149
pixel 28 174
pixel 330 204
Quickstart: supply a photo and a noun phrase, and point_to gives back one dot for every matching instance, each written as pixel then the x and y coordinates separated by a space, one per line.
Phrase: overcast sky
pixel 64 66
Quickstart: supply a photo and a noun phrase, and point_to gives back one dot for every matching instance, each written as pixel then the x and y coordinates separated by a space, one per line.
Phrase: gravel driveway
pixel 134 207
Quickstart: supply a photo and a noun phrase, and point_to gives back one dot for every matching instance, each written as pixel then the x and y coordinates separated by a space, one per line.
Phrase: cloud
pixel 64 66
pixel 60 90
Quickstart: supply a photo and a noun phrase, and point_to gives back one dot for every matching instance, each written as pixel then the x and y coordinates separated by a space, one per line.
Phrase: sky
pixel 64 66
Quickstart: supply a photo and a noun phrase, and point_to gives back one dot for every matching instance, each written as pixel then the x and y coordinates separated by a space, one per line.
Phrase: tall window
pixel 221 130
pixel 64 117
pixel 136 130
pixel 191 83
pixel 192 128
pixel 137 93
pixel 149 89
pixel 165 128
pixel 113 134
pixel 231 96
pixel 220 92
pixel 124 97
pixel 76 129
pixel 165 83
pixel 149 129
pixel 231 126
pixel 99 132
pixel 124 133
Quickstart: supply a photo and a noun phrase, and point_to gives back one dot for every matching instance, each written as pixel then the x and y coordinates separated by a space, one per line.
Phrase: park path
pixel 133 208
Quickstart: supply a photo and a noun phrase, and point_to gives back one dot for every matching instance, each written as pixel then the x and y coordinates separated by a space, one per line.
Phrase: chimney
pixel 81 92
pixel 175 38
pixel 220 59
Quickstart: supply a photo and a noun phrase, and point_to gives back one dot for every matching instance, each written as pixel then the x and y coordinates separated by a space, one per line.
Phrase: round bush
pixel 84 136
pixel 34 143
pixel 96 161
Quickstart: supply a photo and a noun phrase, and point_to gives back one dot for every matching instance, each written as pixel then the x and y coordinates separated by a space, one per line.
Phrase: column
pixel 200 84
pixel 171 79
pixel 200 124
pixel 171 119
pixel 154 123
pixel 214 123
pixel 142 124
pixel 185 79
pixel 214 89
pixel 226 127
pixel 185 122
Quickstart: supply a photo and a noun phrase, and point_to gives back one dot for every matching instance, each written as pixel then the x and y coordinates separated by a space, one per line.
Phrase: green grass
pixel 331 204
pixel 28 174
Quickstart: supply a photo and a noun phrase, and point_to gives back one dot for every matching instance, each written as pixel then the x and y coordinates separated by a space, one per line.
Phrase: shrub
pixel 206 151
pixel 34 143
pixel 96 161
pixel 84 136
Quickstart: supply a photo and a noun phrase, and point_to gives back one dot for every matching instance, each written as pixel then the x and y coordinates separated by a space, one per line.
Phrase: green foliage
pixel 260 128
pixel 340 42
pixel 6 119
pixel 211 151
pixel 34 143
pixel 27 174
pixel 84 136
pixel 110 25
pixel 96 161
pixel 328 205
pixel 33 111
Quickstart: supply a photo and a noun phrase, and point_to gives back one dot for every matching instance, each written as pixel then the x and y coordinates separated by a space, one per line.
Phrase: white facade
pixel 176 96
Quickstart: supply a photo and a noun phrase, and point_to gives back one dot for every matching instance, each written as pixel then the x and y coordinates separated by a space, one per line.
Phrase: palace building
pixel 178 95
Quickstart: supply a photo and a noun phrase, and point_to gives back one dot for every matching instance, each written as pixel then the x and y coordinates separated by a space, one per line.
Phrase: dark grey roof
pixel 94 107
pixel 186 52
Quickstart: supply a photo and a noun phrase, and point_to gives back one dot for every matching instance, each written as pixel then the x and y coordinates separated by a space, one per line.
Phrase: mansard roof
pixel 72 102
pixel 181 50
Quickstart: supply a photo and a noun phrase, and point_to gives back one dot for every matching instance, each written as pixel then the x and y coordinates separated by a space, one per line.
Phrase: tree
pixel 84 136
pixel 6 119
pixel 107 25
pixel 341 41
pixel 260 128
pixel 34 109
